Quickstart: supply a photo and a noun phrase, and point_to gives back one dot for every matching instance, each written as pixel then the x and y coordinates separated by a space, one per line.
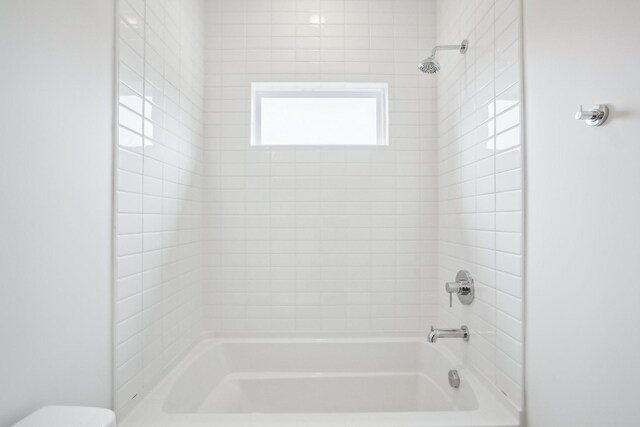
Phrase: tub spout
pixel 434 334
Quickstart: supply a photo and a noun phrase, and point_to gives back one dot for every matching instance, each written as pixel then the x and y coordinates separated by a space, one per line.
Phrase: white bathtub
pixel 319 382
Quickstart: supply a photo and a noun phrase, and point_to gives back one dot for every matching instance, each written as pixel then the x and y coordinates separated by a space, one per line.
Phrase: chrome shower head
pixel 431 66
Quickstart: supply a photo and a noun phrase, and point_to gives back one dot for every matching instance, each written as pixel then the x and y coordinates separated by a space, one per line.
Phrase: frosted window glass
pixel 319 114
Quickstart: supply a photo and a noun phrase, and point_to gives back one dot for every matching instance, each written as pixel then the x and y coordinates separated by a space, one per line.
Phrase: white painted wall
pixel 55 216
pixel 583 201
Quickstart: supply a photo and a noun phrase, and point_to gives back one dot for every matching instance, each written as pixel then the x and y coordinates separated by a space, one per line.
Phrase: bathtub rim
pixel 150 406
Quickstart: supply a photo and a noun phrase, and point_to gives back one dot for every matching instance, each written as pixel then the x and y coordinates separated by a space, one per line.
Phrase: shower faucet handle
pixel 463 286
pixel 452 288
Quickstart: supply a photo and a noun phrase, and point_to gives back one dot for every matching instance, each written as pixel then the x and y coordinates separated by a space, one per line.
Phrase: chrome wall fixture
pixel 431 66
pixel 596 116
pixel 463 333
pixel 463 286
pixel 454 378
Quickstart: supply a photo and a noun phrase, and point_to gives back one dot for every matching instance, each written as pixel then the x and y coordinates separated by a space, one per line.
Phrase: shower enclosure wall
pixel 158 200
pixel 480 185
pixel 321 239
pixel 218 237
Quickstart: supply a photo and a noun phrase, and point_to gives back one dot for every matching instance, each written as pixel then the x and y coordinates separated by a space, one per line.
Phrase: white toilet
pixel 69 416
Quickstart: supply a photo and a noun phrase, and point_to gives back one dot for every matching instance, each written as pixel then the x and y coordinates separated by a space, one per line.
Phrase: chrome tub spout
pixel 463 333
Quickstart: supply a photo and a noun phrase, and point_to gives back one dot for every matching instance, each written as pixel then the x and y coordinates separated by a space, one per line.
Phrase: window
pixel 319 114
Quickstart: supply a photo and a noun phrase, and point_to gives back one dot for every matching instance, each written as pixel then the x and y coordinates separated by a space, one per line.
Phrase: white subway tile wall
pixel 319 240
pixel 158 269
pixel 480 185
pixel 245 241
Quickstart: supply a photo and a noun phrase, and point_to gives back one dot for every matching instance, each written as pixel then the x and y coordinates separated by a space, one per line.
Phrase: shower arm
pixel 460 47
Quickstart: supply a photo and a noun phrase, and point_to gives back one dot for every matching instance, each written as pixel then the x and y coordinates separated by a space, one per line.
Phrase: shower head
pixel 431 66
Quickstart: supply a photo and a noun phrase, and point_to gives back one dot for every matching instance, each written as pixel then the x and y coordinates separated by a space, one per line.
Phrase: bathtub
pixel 319 382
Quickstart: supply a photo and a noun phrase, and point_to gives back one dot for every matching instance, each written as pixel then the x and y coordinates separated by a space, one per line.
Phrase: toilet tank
pixel 69 416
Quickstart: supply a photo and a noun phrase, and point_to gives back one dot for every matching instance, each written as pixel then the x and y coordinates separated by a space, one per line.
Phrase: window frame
pixel 347 90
